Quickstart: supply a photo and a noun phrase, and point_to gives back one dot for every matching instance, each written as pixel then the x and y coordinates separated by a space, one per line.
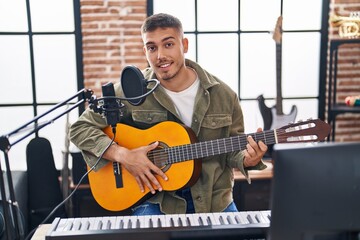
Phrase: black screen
pixel 316 191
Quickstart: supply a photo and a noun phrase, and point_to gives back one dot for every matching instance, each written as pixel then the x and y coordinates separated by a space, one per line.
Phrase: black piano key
pixel 180 222
pixel 249 218
pixel 137 223
pixel 258 218
pixel 129 223
pixel 159 222
pixel 201 221
pixel 151 224
pixel 208 219
pixel 221 219
pixel 188 223
pixel 172 224
pixel 121 224
pixel 229 220
pixel 237 219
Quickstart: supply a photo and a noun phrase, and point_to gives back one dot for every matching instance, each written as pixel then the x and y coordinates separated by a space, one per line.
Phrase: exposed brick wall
pixel 348 77
pixel 111 39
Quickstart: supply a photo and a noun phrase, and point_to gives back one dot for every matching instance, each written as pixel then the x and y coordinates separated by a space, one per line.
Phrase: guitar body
pixel 169 134
pixel 266 112
pixel 271 118
pixel 283 119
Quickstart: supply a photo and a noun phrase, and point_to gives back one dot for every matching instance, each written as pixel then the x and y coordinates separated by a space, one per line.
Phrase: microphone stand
pixel 11 218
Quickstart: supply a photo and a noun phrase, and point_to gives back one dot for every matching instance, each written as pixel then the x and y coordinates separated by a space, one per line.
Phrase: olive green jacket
pixel 217 114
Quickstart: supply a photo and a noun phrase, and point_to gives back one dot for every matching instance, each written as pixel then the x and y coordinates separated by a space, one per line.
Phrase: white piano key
pixel 85 224
pixel 154 221
pixel 112 223
pixel 77 224
pixel 243 216
pixel 119 222
pixel 266 215
pixel 127 222
pixel 92 224
pixel 184 220
pixel 61 224
pixel 148 222
pixel 69 224
pixel 198 221
pixel 170 220
pixel 96 224
pixel 105 223
pixel 239 218
pixel 141 220
pixel 260 217
pixel 192 218
pixel 251 216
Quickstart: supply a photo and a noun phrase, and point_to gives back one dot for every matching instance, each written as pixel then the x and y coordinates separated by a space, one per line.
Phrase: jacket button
pixel 213 124
pixel 198 198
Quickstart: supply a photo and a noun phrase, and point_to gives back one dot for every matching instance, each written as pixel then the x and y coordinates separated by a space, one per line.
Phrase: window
pixel 40 66
pixel 234 40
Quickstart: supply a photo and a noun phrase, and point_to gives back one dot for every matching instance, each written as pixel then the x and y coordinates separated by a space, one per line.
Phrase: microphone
pixel 135 91
pixel 133 85
pixel 111 105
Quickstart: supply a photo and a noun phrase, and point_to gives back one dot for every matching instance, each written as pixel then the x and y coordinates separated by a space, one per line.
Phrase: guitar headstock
pixel 304 131
pixel 278 30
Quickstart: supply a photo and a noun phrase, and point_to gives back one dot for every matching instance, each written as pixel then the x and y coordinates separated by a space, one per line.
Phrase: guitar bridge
pixel 118 175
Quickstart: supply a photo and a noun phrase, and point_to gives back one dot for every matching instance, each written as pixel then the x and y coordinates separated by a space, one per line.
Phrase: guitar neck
pixel 214 147
pixel 279 108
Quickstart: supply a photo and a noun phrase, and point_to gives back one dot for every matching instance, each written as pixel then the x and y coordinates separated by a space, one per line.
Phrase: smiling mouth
pixel 164 65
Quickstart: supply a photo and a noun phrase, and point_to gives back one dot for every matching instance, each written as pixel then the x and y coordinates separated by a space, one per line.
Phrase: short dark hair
pixel 161 20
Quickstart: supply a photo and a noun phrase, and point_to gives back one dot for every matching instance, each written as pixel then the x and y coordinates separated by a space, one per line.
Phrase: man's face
pixel 164 49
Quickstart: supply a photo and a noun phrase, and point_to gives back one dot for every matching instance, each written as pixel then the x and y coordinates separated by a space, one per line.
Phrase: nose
pixel 160 53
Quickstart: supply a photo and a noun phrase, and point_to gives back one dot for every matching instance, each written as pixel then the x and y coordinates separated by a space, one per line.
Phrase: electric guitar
pixel 274 117
pixel 179 154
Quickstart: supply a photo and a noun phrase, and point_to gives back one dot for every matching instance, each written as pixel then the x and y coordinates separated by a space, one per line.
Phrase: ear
pixel 185 43
pixel 144 49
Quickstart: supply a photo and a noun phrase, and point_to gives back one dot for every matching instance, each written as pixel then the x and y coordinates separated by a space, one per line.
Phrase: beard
pixel 167 76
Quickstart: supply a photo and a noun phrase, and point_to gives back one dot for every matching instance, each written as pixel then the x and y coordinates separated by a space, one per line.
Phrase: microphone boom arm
pixel 9 207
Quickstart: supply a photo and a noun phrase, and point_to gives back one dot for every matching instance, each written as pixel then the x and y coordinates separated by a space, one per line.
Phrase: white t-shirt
pixel 184 101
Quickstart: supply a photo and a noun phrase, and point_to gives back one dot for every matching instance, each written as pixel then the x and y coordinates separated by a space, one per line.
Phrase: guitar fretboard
pixel 208 148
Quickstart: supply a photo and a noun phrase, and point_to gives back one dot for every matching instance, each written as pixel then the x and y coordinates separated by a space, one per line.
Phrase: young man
pixel 187 94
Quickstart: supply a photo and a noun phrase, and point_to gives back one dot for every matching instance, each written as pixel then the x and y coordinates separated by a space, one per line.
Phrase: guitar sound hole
pixel 160 157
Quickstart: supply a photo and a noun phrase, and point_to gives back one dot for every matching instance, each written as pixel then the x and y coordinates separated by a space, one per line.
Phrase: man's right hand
pixel 138 164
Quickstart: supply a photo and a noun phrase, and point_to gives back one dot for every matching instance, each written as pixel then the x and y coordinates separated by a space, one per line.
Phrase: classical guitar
pixel 115 189
pixel 274 117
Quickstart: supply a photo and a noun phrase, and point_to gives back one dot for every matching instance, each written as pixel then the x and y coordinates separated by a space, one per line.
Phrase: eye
pixel 170 44
pixel 151 48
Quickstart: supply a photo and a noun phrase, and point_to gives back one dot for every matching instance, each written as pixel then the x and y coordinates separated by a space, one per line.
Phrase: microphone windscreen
pixel 133 84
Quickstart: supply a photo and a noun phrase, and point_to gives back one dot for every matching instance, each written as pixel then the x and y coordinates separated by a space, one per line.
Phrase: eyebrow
pixel 163 40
